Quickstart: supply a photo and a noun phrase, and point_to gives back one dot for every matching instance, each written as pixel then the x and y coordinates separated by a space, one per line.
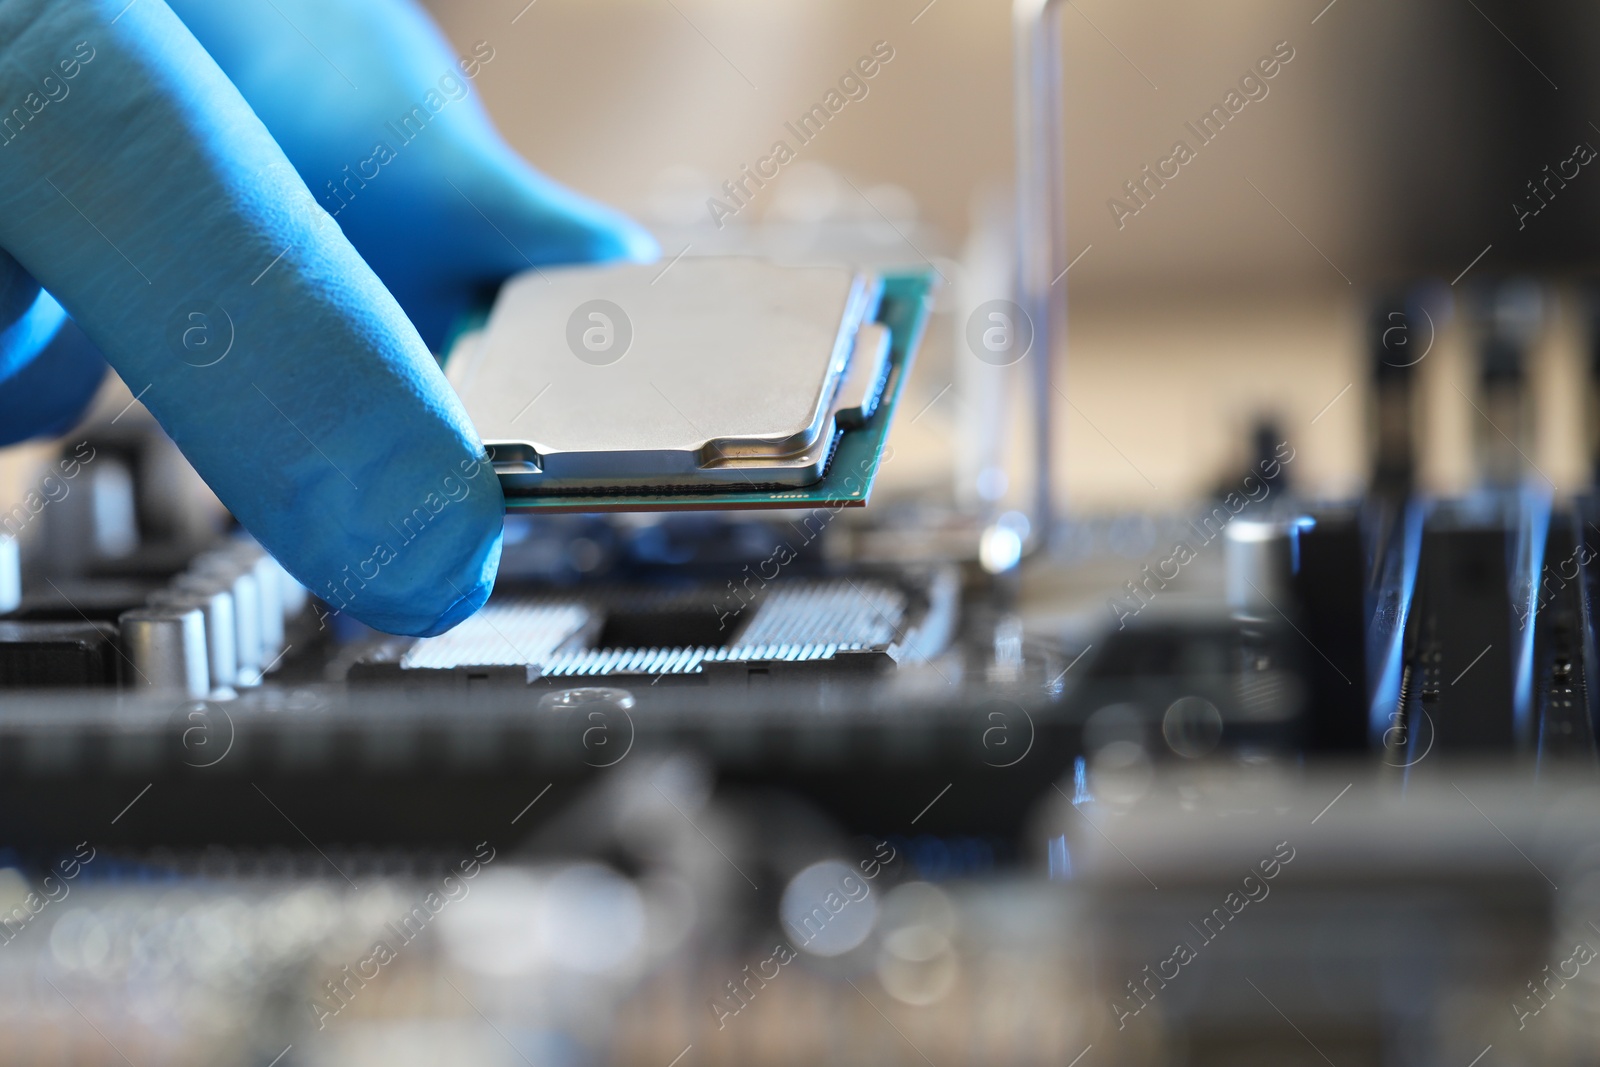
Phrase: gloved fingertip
pixel 50 394
pixel 448 578
pixel 593 233
pixel 466 606
pixel 566 226
pixel 629 242
pixel 415 612
pixel 413 554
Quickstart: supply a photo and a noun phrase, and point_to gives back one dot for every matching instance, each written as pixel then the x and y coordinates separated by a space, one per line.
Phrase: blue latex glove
pixel 138 186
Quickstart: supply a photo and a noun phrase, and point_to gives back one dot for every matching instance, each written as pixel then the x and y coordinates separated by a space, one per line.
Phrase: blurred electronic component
pixel 215 604
pixel 1513 317
pixel 1395 352
pixel 166 649
pixel 10 574
pixel 49 655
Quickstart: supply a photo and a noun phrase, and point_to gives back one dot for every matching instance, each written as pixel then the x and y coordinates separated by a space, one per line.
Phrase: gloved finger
pixel 148 198
pixel 49 393
pixel 409 164
pixel 446 237
pixel 48 371
pixel 25 319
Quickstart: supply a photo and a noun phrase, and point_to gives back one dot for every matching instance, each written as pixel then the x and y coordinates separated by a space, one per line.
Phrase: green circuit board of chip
pixel 858 451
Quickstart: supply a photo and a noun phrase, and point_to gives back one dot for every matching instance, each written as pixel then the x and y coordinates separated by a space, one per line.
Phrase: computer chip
pixel 722 382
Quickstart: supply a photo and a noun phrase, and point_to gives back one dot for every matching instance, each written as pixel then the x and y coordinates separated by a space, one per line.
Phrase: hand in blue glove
pixel 277 345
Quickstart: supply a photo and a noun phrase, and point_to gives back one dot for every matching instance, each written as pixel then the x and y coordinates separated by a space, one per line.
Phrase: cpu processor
pixel 717 382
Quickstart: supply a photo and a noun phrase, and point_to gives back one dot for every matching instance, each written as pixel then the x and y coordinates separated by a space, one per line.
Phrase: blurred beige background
pixel 1210 307
pixel 1390 145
